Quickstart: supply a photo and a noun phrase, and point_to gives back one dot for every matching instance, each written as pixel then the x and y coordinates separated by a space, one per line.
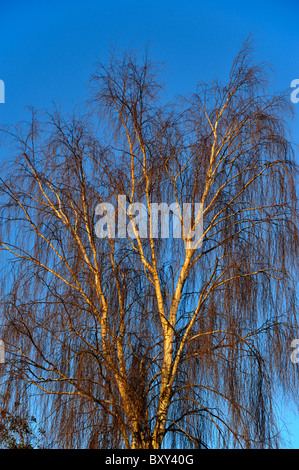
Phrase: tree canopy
pixel 139 341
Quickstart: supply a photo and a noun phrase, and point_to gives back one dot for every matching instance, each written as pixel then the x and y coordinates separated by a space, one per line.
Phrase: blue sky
pixel 48 50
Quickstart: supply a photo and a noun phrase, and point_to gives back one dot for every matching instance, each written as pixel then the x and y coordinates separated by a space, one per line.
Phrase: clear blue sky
pixel 48 49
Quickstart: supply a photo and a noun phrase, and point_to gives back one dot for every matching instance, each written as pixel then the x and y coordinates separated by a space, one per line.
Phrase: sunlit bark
pixel 144 342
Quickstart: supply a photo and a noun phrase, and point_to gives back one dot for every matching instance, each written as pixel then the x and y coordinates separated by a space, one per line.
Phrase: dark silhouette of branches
pixel 142 342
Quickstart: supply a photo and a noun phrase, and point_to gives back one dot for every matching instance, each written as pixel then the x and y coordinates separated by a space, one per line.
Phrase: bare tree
pixel 18 430
pixel 134 341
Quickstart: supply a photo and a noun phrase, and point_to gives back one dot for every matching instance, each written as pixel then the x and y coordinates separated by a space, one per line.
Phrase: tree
pixel 136 341
pixel 18 430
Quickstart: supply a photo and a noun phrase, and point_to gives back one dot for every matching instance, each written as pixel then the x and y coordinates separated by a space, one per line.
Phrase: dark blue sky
pixel 48 48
